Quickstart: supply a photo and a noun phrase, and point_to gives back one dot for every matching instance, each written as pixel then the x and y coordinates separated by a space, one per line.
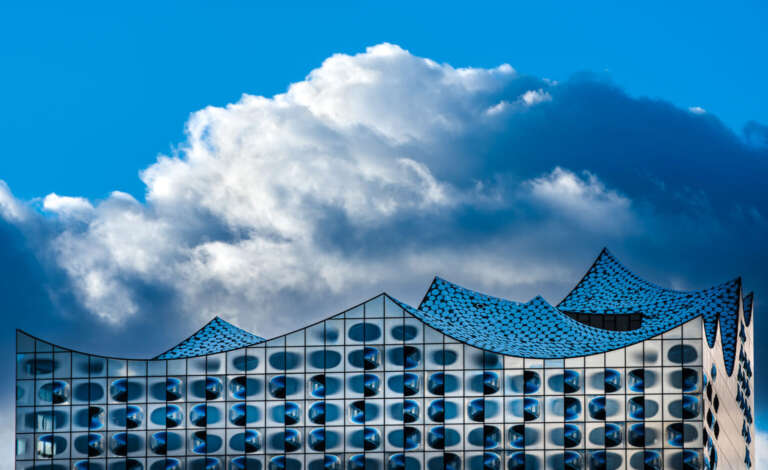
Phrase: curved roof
pixel 216 336
pixel 537 329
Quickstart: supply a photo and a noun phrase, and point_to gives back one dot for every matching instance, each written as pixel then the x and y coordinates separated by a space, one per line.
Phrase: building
pixel 622 374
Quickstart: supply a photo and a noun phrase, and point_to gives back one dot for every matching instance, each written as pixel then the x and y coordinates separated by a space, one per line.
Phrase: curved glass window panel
pixel 531 381
pixel 403 462
pixel 94 417
pixel 371 439
pixel 516 461
pixel 636 380
pixel 690 378
pixel 597 460
pixel 436 437
pixel 292 440
pixel 277 463
pixel 122 443
pixel 364 332
pixel 213 388
pixel 491 437
pixel 371 358
pixel 316 440
pixel 682 354
pixel 690 407
pixel 444 357
pixel 676 434
pixel 245 362
pixel 436 410
pixel 158 443
pixel 292 413
pixel 652 460
pixel 410 384
pixel 573 461
pixel 612 380
pixel 410 411
pixel 317 413
pixel 713 372
pixel 50 420
pixel 49 445
pixel 39 366
pixel 491 461
pixel 133 416
pixel 404 332
pixel 445 461
pixel 571 381
pixel 55 392
pixel 612 435
pixel 407 357
pixel 331 462
pixel 516 436
pixel 284 360
pixel 119 390
pixel 240 387
pixel 571 408
pixel 571 435
pixel 317 386
pixel 324 359
pixel 407 437
pixel 636 435
pixel 245 463
pixel 637 408
pixel 165 464
pixel 132 464
pixel 174 417
pixel 490 382
pixel 357 411
pixel 691 460
pixel 436 383
pixel 277 386
pixel 241 414
pixel 411 438
pixel 204 443
pixel 597 408
pixel 95 445
pixel 371 385
pixel 476 410
pixel 531 409
pixel 174 389
pixel 198 415
pixel 357 462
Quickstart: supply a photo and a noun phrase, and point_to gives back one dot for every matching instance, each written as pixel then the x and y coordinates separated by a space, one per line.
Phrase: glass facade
pixel 375 387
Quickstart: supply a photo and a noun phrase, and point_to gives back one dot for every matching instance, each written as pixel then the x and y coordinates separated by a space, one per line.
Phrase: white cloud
pixel 77 207
pixel 584 199
pixel 761 448
pixel 534 97
pixel 261 198
pixel 10 208
pixel 697 110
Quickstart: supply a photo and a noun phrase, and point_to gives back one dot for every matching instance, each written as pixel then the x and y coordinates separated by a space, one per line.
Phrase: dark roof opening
pixel 612 322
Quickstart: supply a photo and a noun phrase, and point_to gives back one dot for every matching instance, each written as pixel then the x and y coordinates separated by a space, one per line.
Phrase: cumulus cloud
pixel 378 171
pixel 584 199
pixel 761 447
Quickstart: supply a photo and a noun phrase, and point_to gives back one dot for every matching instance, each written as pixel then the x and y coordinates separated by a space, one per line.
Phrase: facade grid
pixel 464 381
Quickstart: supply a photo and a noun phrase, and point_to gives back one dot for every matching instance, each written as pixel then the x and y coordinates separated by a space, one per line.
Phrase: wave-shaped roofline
pixel 555 315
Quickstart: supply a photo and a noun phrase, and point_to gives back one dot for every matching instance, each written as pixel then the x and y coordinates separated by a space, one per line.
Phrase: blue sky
pixel 95 93
pixel 152 179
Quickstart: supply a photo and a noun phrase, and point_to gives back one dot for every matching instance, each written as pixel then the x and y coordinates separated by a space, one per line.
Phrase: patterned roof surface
pixel 537 329
pixel 216 336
